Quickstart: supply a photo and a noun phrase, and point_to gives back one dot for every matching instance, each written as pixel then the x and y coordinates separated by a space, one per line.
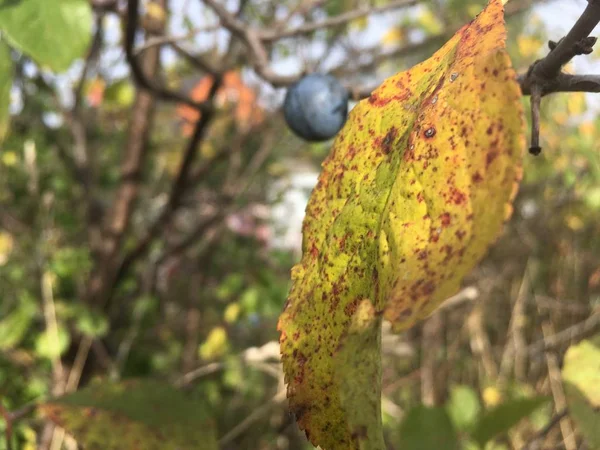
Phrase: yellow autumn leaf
pixel 156 12
pixel 215 345
pixel 417 186
pixel 232 312
pixel 491 396
pixel 528 45
pixel 360 24
pixel 430 22
pixel 587 128
pixel 9 158
pixel 393 36
pixel 576 103
pixel 6 246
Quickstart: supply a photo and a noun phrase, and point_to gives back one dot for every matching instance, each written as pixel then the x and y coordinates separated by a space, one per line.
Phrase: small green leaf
pixel 581 375
pixel 53 32
pixel 50 346
pixel 501 418
pixel 6 81
pixel 14 326
pixel 463 407
pixel 133 414
pixel 427 429
pixel 92 323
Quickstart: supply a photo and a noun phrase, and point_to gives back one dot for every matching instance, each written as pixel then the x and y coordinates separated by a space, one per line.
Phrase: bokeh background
pixel 197 306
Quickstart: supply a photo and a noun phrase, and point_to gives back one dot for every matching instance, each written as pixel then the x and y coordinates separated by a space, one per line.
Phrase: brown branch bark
pixel 177 191
pixel 335 21
pixel 102 279
pixel 144 80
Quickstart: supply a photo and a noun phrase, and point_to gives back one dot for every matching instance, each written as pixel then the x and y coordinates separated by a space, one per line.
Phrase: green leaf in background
pixel 14 326
pixel 50 346
pixel 53 32
pixel 426 428
pixel 6 81
pixel 581 376
pixel 133 414
pixel 463 407
pixel 501 418
pixel 92 323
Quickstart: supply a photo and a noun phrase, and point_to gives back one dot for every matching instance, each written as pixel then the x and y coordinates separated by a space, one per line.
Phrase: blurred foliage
pixel 134 414
pixel 203 319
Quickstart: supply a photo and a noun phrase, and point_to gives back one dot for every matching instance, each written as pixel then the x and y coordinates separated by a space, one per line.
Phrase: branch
pixel 101 280
pixel 177 189
pixel 341 19
pixel 574 43
pixel 139 76
pixel 563 82
pixel 545 75
pixel 578 331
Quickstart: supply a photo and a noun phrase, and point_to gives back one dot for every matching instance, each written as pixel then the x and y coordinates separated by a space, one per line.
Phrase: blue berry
pixel 316 107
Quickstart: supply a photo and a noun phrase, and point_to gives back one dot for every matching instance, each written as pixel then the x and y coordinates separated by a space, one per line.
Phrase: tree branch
pixel 147 82
pixel 177 189
pixel 571 45
pixel 102 279
pixel 335 21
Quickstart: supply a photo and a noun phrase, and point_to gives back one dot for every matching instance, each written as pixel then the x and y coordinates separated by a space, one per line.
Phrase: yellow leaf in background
pixel 561 163
pixel 430 22
pixel 232 312
pixel 9 158
pixel 207 150
pixel 576 103
pixel 360 24
pixel 560 117
pixel 587 128
pixel 215 345
pixel 528 45
pixel 491 396
pixel 393 36
pixel 473 9
pixel 574 222
pixel 417 186
pixel 156 12
pixel 6 246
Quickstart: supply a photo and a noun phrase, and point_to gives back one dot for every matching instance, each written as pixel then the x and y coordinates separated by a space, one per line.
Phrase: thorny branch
pixel 545 75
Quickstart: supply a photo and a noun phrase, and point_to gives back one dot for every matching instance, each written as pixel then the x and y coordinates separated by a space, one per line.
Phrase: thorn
pixel 536 99
pixel 553 44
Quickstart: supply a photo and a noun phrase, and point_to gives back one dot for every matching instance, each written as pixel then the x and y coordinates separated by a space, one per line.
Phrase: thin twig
pixel 533 443
pixel 335 21
pixel 140 77
pixel 575 332
pixel 256 415
pixel 177 189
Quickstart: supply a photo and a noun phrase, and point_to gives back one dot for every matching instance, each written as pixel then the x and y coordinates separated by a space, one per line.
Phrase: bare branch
pixel 576 332
pixel 140 77
pixel 574 43
pixel 336 21
pixel 177 189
